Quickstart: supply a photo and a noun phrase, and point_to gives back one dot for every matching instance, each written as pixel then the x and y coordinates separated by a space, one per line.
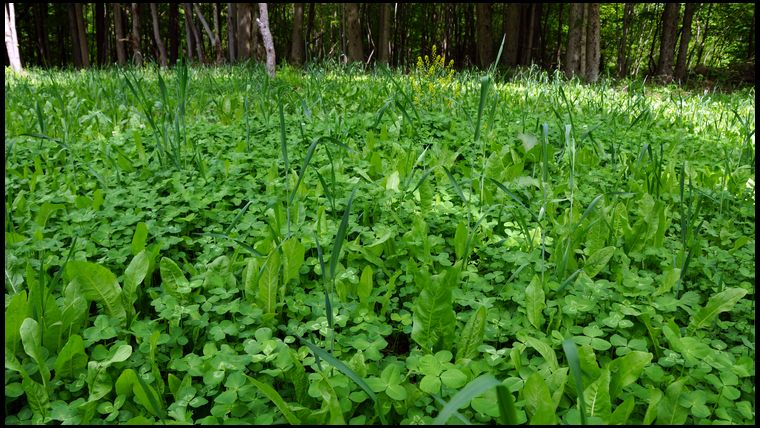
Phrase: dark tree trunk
pixel 82 35
pixel 296 37
pixel 573 52
pixel 558 54
pixel 212 36
pixel 75 36
pixel 100 33
pixel 701 49
pixel 173 33
pixel 244 18
pixel 355 45
pixel 138 57
pixel 512 30
pixel 683 47
pixel 668 41
pixel 121 54
pixel 218 32
pixel 231 30
pixel 41 28
pixel 197 40
pixel 485 34
pixel 157 36
pixel 592 43
pixel 188 36
pixel 309 31
pixel 385 33
pixel 622 59
pixel 528 33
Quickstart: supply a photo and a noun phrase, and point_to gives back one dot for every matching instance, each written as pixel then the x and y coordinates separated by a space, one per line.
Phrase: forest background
pixel 706 43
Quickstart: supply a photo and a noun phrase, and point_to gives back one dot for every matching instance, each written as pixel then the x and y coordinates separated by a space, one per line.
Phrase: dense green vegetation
pixel 207 245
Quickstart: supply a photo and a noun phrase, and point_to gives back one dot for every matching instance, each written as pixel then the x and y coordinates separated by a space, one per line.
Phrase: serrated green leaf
pixel 597 396
pixel 598 260
pixel 268 283
pixel 433 316
pixel 535 302
pixel 669 410
pixel 71 359
pixel 721 302
pixel 36 396
pixel 545 350
pixel 172 278
pixel 97 283
pixel 472 335
pixel 626 369
pixel 538 401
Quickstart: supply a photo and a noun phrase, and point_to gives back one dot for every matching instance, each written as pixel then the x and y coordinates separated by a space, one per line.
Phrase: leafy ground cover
pixel 209 246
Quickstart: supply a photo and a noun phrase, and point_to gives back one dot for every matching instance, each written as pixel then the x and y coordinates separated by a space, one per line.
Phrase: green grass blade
pixel 485 82
pixel 506 402
pixel 476 387
pixel 455 184
pixel 306 160
pixel 340 235
pixel 571 351
pixel 237 217
pixel 275 397
pixel 328 305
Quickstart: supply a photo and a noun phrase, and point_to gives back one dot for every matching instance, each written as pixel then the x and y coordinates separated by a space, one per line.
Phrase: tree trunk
pixel 231 30
pixel 100 33
pixel 73 30
pixel 11 39
pixel 188 37
pixel 40 19
pixel 592 43
pixel 558 54
pixel 309 30
pixel 683 47
pixel 355 47
pixel 384 50
pixel 584 36
pixel 157 35
pixel 622 59
pixel 296 37
pixel 484 34
pixel 121 54
pixel 701 49
pixel 215 43
pixel 198 41
pixel 573 52
pixel 217 33
pixel 244 19
pixel 512 30
pixel 136 34
pixel 668 41
pixel 266 35
pixel 528 22
pixel 173 33
pixel 82 35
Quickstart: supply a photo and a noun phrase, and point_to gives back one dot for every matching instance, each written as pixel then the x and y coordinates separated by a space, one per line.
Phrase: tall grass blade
pixel 454 183
pixel 476 387
pixel 340 235
pixel 275 398
pixel 306 160
pixel 571 351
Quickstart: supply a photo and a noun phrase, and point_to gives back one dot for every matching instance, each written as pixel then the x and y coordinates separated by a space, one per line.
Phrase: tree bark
pixel 121 54
pixel 217 33
pixel 11 39
pixel 296 38
pixel 244 19
pixel 683 48
pixel 384 48
pixel 188 37
pixel 198 41
pixel 355 46
pixel 558 54
pixel 512 30
pixel 215 43
pixel 231 30
pixel 82 35
pixel 622 59
pixel 100 33
pixel 573 52
pixel 484 34
pixel 157 35
pixel 266 35
pixel 173 33
pixel 74 31
pixel 40 18
pixel 668 41
pixel 138 57
pixel 592 43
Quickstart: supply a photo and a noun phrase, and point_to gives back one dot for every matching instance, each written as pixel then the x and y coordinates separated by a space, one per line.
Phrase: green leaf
pixel 472 335
pixel 506 404
pixel 172 278
pixel 538 401
pixel 476 387
pixel 571 352
pixel 340 235
pixel 275 397
pixel 71 359
pixel 622 412
pixel 139 238
pixel 668 281
pixel 626 369
pixel 721 302
pixel 545 350
pixel 294 252
pixel 453 378
pixel 36 397
pixel 460 240
pixel 268 282
pixel 364 289
pixel 250 277
pixel 598 260
pixel 32 343
pixel 17 310
pixel 597 396
pixel 669 411
pixel 134 275
pixel 534 302
pixel 433 316
pixel 97 283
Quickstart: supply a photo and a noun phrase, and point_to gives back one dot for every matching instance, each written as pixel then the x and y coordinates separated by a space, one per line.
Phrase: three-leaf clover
pixel 438 370
pixel 390 382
